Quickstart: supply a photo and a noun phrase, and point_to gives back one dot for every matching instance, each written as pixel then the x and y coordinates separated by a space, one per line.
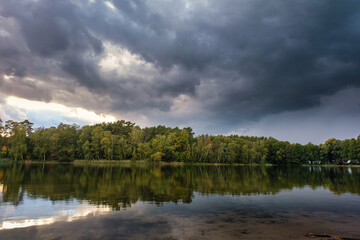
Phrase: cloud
pixel 227 61
pixel 44 113
pixel 337 116
pixel 8 112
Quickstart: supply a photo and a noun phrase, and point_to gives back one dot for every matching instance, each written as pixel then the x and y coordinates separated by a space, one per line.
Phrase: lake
pixel 65 201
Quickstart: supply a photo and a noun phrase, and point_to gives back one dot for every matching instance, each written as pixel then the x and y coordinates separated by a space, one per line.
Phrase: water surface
pixel 54 201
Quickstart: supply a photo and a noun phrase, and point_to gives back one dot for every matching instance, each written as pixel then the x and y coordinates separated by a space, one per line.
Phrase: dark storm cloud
pixel 54 31
pixel 239 59
pixel 286 55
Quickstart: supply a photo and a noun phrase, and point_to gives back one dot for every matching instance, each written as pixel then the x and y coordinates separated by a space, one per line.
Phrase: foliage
pixel 123 140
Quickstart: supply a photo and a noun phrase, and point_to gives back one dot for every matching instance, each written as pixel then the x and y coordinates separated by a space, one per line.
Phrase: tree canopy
pixel 123 140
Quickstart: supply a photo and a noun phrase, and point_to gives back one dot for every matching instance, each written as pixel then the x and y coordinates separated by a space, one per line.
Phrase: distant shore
pixel 162 163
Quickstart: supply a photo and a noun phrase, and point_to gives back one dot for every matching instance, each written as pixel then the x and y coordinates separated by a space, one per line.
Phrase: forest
pixel 123 140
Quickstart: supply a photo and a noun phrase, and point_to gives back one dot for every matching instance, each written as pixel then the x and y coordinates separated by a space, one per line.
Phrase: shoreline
pixel 146 162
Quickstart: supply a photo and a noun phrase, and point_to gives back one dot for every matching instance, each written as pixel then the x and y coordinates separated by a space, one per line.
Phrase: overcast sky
pixel 287 69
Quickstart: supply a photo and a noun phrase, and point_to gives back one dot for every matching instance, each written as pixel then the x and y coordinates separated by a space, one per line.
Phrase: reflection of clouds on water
pixel 79 212
pixel 16 217
pixel 193 202
pixel 138 209
pixel 26 223
pixel 213 216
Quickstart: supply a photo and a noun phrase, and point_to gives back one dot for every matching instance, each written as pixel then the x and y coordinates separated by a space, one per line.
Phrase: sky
pixel 287 69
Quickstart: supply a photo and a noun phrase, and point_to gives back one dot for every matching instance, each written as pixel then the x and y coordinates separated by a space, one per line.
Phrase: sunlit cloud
pixel 82 114
pixel 110 5
pixel 6 77
pixel 125 64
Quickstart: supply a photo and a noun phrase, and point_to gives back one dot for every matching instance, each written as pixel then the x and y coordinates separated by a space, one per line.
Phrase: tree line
pixel 123 140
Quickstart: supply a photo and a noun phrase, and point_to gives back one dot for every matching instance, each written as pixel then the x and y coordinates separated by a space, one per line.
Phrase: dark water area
pixel 55 201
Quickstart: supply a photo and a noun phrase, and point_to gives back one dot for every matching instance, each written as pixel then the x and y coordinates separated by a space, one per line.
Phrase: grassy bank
pixel 137 162
pixel 99 161
pixel 147 162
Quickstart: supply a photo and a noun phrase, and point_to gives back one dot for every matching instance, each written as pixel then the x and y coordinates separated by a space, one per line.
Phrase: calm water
pixel 177 202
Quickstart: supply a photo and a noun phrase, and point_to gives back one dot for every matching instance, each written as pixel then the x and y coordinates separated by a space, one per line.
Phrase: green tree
pixel 179 145
pixel 2 140
pixel 122 149
pixel 64 142
pixel 144 151
pixel 156 157
pixel 84 137
pixel 18 143
pixel 332 151
pixel 245 154
pixel 312 152
pixel 96 136
pixel 107 145
pixel 41 141
pixel 232 151
pixel 87 152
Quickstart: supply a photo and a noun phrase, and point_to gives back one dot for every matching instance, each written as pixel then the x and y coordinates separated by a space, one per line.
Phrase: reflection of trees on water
pixel 119 186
